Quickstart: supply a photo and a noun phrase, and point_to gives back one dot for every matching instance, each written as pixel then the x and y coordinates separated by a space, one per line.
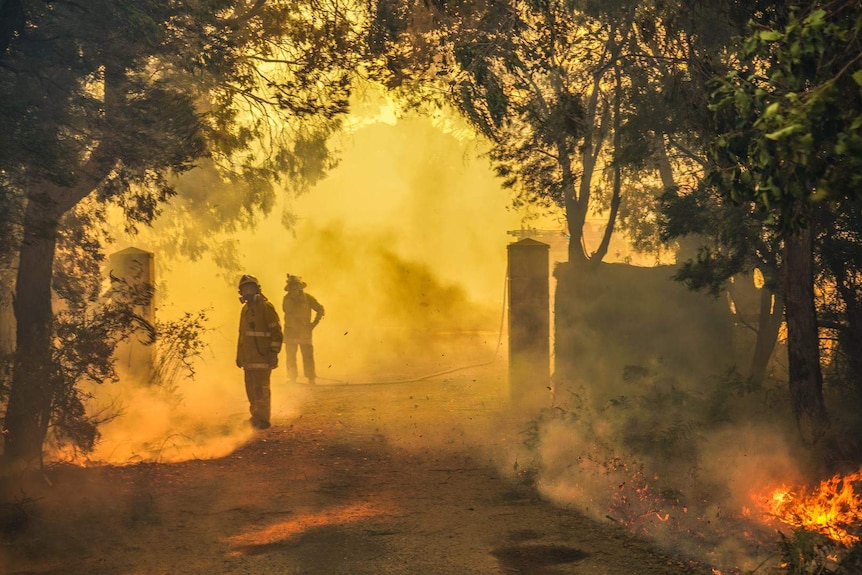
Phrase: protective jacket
pixel 260 335
pixel 297 306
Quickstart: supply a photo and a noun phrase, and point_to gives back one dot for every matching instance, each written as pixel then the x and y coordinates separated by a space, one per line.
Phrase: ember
pixel 833 508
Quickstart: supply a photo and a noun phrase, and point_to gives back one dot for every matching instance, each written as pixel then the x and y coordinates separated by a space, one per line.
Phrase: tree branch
pixel 688 153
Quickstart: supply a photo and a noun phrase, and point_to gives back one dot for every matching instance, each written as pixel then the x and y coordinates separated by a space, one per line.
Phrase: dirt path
pixel 369 480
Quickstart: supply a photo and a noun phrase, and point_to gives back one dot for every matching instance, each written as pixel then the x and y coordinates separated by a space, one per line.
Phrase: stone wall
pixel 619 315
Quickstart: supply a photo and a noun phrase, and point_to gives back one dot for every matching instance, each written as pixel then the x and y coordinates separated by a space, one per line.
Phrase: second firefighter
pixel 298 325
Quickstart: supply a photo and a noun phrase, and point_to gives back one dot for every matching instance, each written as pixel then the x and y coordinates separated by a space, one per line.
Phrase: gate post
pixel 529 322
pixel 136 269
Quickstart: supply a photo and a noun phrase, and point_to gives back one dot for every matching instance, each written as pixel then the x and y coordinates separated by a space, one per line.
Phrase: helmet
pixel 294 282
pixel 248 279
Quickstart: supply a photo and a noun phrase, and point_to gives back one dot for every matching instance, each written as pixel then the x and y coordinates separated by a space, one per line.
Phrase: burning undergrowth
pixel 826 519
pixel 688 466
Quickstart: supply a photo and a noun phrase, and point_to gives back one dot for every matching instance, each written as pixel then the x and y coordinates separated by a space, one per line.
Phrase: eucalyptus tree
pixel 790 147
pixel 108 99
pixel 531 76
pixel 581 101
pixel 678 48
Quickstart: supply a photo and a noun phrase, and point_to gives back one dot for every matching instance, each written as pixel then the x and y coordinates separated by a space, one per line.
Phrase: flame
pixel 833 508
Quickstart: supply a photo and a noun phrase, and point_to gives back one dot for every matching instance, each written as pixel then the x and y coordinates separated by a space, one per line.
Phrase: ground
pixel 368 479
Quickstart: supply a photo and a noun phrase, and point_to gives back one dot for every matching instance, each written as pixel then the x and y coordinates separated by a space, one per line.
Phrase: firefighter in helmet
pixel 257 349
pixel 298 324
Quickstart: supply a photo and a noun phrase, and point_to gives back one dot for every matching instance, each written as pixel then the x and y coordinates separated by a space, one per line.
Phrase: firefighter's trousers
pixel 307 350
pixel 257 388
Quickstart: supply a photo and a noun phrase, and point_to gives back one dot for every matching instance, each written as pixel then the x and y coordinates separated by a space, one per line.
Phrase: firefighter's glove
pixel 239 364
pixel 273 360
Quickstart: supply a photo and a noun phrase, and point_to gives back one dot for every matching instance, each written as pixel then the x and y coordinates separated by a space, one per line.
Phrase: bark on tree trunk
pixel 602 250
pixel 854 339
pixel 34 376
pixel 845 283
pixel 771 315
pixel 590 149
pixel 803 343
pixel 575 215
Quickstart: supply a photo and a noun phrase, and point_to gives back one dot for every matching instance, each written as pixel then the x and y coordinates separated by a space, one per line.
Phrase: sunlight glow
pixel 301 524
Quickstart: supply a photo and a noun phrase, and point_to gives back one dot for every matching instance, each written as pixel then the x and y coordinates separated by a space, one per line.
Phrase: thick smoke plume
pixel 389 243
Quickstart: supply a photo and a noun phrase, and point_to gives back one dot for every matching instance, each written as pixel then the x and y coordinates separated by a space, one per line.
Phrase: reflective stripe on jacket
pixel 260 335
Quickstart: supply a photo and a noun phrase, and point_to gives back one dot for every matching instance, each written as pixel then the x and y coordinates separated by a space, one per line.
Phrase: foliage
pixel 517 71
pixel 732 240
pixel 787 146
pixel 809 553
pixel 585 104
pixel 115 99
pixel 519 77
pixel 791 119
pixel 88 327
pixel 177 344
pixel 216 78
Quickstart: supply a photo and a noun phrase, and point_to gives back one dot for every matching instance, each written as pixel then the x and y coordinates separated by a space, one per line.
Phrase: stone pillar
pixel 529 322
pixel 135 269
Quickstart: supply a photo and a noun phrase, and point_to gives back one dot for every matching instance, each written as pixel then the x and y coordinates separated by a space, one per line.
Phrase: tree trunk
pixel 771 315
pixel 34 375
pixel 851 336
pixel 575 216
pixel 845 284
pixel 853 340
pixel 803 342
pixel 602 250
pixel 590 150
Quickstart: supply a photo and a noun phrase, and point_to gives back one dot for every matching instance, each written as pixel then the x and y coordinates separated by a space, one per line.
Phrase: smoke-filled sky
pixel 407 233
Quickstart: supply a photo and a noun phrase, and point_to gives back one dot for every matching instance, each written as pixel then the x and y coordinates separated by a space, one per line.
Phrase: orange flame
pixel 832 508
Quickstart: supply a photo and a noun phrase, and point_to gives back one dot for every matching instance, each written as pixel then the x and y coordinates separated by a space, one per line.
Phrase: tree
pixel 839 280
pixel 529 76
pixel 790 137
pixel 110 98
pixel 581 101
pixel 732 242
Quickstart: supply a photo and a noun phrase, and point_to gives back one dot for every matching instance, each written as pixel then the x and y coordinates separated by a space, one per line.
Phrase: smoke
pixel 404 243
pixel 697 505
pixel 389 243
pixel 651 428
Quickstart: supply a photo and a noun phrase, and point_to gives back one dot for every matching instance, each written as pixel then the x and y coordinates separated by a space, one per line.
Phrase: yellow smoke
pixel 404 243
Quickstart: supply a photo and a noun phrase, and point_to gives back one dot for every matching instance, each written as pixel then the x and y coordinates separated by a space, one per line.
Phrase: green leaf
pixel 770 35
pixel 816 17
pixel 821 193
pixel 786 131
pixel 771 110
pixel 857 76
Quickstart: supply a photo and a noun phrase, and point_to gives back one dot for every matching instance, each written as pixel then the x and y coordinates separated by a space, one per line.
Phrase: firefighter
pixel 258 347
pixel 298 325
